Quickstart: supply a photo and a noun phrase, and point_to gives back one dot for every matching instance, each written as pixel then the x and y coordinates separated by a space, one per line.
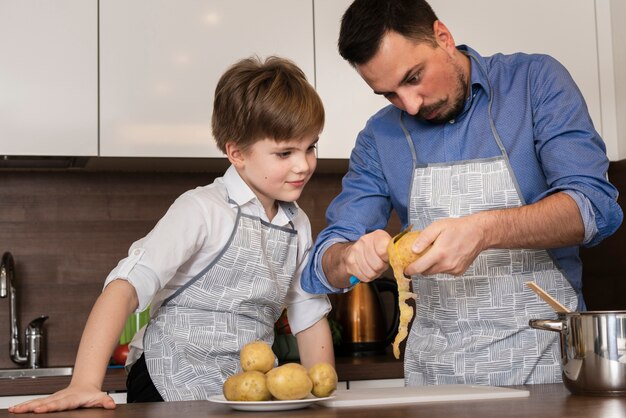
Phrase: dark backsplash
pixel 68 229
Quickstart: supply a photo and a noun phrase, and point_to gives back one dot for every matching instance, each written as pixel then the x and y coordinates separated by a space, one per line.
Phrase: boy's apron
pixel 473 329
pixel 192 344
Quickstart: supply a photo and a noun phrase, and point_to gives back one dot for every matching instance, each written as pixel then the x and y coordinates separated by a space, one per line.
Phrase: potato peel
pixel 400 256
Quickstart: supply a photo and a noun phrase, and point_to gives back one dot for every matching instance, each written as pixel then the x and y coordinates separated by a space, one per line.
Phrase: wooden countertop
pixel 348 368
pixel 545 401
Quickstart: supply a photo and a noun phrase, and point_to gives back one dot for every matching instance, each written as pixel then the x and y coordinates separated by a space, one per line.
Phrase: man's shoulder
pixel 382 118
pixel 519 61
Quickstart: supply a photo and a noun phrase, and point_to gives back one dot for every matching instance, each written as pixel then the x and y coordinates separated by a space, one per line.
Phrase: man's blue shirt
pixel 545 127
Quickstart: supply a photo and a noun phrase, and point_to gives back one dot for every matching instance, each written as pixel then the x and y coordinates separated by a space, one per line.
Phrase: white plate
pixel 268 405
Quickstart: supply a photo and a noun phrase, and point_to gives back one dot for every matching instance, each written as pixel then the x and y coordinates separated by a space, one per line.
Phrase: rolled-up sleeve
pixel 572 154
pixel 305 309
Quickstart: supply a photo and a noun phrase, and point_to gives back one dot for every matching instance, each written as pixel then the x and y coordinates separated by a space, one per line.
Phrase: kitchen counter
pixel 348 369
pixel 545 401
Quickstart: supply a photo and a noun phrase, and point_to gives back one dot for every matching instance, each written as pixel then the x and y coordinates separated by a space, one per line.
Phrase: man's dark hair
pixel 366 22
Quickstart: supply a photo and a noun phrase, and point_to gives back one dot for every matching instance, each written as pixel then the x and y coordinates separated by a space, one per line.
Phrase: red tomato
pixel 120 354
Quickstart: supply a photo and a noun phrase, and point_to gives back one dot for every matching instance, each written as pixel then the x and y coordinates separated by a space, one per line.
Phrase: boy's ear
pixel 234 154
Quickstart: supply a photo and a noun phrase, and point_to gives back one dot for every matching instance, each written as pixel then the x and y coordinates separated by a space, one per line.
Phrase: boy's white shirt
pixel 193 232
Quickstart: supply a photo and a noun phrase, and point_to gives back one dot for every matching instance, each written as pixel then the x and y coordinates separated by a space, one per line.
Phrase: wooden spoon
pixel 558 308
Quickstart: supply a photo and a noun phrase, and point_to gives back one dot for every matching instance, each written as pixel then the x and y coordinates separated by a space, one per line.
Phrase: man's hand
pixel 69 398
pixel 365 259
pixel 456 242
pixel 551 222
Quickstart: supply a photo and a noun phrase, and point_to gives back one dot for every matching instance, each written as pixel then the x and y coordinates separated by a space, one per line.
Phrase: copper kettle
pixel 362 318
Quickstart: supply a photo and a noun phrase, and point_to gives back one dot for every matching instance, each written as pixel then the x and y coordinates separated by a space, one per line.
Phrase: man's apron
pixel 473 329
pixel 192 344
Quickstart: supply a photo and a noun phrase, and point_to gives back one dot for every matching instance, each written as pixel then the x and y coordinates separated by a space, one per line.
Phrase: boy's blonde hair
pixel 257 100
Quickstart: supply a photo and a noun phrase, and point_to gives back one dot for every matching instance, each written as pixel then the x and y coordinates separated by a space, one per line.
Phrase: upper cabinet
pixel 160 61
pixel 348 100
pixel 564 29
pixel 576 32
pixel 49 77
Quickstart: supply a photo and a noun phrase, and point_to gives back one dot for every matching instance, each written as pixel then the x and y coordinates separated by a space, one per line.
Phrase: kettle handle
pixel 385 285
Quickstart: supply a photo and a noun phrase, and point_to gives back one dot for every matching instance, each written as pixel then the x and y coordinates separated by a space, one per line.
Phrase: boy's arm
pixel 100 337
pixel 315 344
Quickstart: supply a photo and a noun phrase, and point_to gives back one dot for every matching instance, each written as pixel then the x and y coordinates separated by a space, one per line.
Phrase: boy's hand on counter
pixel 72 397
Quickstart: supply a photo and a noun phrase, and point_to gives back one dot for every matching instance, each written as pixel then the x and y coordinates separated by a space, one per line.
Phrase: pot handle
pixel 547 324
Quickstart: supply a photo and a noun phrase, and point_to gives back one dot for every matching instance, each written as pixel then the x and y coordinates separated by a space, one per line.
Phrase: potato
pixel 289 381
pixel 404 255
pixel 231 387
pixel 400 256
pixel 324 379
pixel 247 386
pixel 257 355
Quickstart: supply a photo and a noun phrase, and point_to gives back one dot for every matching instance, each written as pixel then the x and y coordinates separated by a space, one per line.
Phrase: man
pixel 497 161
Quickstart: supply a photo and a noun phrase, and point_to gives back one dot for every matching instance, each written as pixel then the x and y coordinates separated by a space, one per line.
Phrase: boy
pixel 219 267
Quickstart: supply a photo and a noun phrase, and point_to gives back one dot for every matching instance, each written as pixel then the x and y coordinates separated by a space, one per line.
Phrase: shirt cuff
pixel 587 214
pixel 319 270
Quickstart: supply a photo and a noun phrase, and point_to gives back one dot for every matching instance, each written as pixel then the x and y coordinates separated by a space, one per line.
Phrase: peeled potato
pixel 289 381
pixel 257 355
pixel 324 379
pixel 248 386
pixel 400 256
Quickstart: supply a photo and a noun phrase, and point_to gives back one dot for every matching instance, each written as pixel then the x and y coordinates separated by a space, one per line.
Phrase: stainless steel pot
pixel 593 350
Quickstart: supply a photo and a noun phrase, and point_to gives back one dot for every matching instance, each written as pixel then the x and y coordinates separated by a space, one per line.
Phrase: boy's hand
pixel 72 397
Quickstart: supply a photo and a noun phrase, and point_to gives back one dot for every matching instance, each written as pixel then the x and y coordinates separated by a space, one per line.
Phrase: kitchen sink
pixel 39 372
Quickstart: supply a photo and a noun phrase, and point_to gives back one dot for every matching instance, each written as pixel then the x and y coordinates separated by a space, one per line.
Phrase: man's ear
pixel 235 154
pixel 443 36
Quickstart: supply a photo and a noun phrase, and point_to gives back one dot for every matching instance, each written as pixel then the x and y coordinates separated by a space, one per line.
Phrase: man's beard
pixel 458 102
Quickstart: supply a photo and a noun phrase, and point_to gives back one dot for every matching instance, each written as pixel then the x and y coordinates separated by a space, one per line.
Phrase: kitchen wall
pixel 68 228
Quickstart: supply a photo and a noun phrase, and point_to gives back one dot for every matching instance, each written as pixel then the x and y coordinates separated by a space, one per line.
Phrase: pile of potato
pixel 261 381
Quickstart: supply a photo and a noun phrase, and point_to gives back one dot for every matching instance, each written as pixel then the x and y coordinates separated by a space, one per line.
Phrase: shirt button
pixel 452 121
pixel 137 252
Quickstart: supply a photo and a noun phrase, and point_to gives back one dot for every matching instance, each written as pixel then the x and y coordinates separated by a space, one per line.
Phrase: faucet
pixel 33 356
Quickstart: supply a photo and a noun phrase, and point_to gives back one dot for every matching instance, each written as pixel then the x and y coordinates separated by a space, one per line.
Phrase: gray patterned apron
pixel 473 329
pixel 192 344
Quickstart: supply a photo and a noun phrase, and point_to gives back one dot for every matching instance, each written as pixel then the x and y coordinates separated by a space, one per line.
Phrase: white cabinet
pixel 576 32
pixel 565 29
pixel 160 61
pixel 348 100
pixel 48 77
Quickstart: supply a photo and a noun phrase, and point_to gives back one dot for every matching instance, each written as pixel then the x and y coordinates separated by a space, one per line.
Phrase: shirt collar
pixel 239 192
pixel 478 77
